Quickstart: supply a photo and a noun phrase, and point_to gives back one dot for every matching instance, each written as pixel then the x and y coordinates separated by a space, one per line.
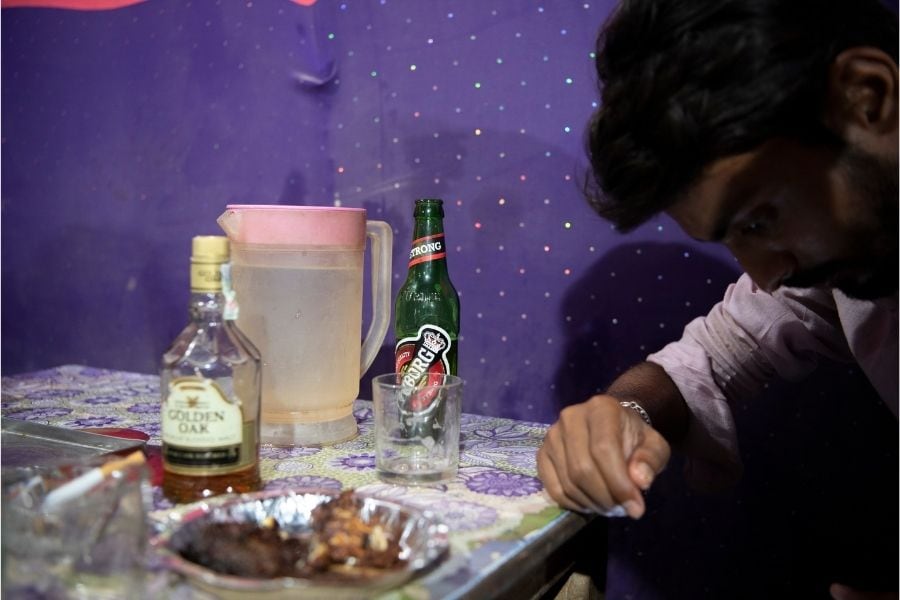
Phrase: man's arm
pixel 600 455
pixel 652 389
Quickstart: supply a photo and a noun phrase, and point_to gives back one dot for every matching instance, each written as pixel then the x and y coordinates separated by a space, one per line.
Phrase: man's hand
pixel 600 455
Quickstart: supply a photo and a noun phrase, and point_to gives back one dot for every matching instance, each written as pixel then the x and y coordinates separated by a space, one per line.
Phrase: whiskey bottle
pixel 210 386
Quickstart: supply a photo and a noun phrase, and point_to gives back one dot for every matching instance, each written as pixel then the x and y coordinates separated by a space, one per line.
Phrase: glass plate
pixel 26 444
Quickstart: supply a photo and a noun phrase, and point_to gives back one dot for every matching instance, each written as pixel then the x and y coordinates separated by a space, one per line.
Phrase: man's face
pixel 801 216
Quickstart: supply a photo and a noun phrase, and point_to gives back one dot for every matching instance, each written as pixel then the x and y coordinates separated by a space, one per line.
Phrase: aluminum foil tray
pixel 423 542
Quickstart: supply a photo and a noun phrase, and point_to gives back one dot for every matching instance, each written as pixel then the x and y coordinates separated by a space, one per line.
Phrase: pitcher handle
pixel 381 237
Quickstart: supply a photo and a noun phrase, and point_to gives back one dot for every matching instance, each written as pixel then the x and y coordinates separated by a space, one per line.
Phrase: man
pixel 769 126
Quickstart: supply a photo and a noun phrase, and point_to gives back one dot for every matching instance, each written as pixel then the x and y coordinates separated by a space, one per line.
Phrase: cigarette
pixel 85 482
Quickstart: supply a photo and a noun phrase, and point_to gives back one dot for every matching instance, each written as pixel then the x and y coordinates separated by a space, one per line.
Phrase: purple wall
pixel 126 132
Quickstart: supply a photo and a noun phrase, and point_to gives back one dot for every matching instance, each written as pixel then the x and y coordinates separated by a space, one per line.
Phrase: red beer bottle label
pixel 423 361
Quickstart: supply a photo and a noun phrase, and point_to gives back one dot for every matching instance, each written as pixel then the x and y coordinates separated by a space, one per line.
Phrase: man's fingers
pixel 614 435
pixel 649 459
pixel 642 474
pixel 598 457
pixel 609 484
pixel 583 471
pixel 552 468
pixel 550 479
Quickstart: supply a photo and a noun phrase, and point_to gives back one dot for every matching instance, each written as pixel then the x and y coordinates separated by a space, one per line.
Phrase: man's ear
pixel 861 103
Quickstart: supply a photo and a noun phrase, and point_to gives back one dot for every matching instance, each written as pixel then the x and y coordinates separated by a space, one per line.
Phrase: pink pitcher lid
pixel 275 224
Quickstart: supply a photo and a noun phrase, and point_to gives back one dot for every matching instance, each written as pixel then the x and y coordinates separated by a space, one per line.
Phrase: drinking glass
pixel 417 427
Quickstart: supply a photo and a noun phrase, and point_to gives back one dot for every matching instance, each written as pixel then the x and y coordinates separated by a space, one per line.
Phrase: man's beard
pixel 875 272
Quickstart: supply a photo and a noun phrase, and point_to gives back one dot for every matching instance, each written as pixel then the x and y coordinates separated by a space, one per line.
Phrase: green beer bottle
pixel 426 321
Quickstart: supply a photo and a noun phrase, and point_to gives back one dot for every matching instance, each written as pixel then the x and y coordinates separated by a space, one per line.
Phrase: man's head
pixel 767 125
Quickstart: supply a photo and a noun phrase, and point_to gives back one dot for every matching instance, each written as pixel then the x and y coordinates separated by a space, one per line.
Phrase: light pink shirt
pixel 752 336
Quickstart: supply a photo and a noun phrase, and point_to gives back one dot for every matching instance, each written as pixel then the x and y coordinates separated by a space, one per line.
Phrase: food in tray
pixel 248 550
pixel 341 545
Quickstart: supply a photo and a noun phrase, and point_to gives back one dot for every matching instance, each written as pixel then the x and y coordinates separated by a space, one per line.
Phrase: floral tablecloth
pixel 495 508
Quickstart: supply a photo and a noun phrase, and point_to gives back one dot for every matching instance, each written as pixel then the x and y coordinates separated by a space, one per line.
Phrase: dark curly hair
pixel 685 82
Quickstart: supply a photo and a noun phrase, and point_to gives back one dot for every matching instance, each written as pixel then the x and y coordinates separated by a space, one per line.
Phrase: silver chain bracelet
pixel 638 409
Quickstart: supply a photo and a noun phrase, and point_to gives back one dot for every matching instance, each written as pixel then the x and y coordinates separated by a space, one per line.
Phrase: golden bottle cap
pixel 209 249
pixel 208 252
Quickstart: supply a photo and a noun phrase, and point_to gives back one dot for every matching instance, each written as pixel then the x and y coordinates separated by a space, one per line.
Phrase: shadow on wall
pixel 640 297
pixel 293 192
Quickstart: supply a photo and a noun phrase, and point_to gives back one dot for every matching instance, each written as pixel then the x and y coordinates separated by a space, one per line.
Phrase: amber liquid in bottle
pixel 210 386
pixel 187 488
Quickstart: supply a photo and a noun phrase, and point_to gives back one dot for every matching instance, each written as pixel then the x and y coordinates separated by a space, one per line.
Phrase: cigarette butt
pixel 83 483
pixel 133 459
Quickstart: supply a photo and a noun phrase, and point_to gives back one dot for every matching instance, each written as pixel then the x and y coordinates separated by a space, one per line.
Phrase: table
pixel 508 539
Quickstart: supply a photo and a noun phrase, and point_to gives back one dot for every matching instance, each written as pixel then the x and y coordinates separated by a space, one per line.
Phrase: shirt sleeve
pixel 746 339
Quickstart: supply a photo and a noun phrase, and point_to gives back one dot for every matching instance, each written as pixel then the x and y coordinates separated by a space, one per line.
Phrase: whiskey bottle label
pixel 423 360
pixel 200 427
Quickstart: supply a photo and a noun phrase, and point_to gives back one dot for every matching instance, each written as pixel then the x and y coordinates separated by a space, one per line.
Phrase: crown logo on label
pixel 433 341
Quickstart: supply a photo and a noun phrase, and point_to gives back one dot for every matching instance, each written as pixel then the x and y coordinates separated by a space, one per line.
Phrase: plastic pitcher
pixel 297 273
